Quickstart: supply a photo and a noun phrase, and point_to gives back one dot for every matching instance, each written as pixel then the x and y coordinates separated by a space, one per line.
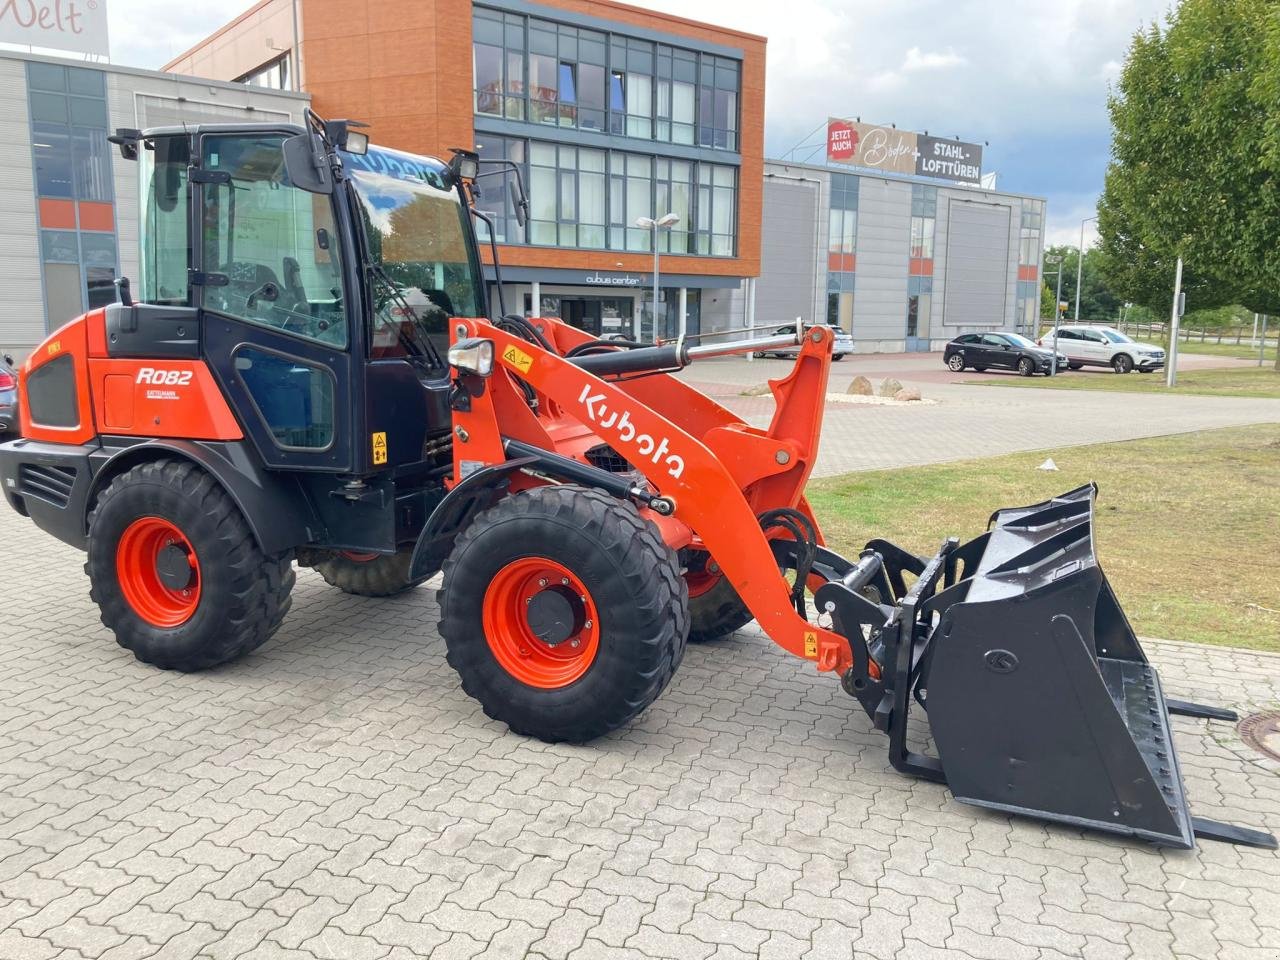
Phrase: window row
pixel 272 76
pixel 79 272
pixel 844 191
pixel 542 72
pixel 588 198
pixel 68 109
pixel 1029 247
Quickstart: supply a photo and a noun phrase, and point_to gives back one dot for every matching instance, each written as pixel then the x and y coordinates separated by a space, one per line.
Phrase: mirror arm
pixel 497 267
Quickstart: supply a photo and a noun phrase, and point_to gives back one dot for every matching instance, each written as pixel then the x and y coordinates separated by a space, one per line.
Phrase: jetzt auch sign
pixel 79 26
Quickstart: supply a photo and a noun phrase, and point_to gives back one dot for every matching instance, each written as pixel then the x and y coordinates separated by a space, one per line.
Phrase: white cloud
pixel 916 60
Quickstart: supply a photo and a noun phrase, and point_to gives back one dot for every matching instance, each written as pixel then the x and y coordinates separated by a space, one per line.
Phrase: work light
pixel 473 355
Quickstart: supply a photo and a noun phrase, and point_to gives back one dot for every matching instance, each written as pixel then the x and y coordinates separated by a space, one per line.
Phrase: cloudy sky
pixel 1029 77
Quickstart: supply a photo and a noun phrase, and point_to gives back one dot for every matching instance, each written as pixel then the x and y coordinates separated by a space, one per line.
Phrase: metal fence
pixel 1241 336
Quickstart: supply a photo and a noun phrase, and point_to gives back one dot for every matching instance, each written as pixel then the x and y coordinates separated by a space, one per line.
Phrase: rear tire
pixel 1122 363
pixel 716 611
pixel 624 612
pixel 383 575
pixel 236 595
pixel 956 363
pixel 837 357
pixel 1075 366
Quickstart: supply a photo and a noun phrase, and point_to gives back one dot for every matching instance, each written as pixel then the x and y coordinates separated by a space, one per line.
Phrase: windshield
pixel 1115 336
pixel 419 235
pixel 1018 339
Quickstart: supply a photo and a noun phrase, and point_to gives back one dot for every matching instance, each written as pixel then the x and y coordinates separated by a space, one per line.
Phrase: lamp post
pixel 1080 265
pixel 664 222
pixel 1057 311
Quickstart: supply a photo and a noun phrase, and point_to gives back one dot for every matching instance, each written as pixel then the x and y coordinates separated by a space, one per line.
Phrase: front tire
pixel 175 570
pixel 1122 363
pixel 715 609
pixel 1075 366
pixel 563 613
pixel 1026 367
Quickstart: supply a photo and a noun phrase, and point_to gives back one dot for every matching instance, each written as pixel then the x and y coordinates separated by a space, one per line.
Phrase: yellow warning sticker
pixel 379 449
pixel 517 358
pixel 811 644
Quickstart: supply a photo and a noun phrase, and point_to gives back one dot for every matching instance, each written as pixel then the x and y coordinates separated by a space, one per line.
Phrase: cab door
pixel 269 280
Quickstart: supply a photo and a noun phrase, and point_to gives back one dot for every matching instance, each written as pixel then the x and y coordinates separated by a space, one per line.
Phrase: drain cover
pixel 1262 732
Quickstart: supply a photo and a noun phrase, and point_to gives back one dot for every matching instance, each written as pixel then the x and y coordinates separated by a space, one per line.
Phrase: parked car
pixel 8 397
pixel 1087 345
pixel 1009 351
pixel 843 345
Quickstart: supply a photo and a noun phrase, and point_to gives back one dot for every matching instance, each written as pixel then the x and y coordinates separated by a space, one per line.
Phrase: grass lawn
pixel 1241 352
pixel 1188 527
pixel 1255 382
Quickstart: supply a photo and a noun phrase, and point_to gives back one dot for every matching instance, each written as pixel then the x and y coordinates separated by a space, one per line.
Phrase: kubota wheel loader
pixel 310 371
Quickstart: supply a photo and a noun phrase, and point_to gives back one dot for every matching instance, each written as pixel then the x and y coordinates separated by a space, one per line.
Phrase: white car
pixel 843 345
pixel 1089 345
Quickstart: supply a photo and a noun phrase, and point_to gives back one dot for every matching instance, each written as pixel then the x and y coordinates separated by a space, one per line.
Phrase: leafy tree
pixel 1098 302
pixel 1195 166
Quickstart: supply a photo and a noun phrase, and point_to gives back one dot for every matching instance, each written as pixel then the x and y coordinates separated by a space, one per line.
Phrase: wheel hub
pixel 174 567
pixel 552 615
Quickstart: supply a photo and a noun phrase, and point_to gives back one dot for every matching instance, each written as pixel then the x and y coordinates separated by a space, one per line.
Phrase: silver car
pixel 1089 345
pixel 8 396
pixel 843 345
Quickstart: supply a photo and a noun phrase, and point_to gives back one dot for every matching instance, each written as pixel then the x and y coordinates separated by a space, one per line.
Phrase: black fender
pixel 273 503
pixel 451 515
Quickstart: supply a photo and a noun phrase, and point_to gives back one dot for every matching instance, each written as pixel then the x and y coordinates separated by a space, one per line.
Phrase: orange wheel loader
pixel 307 371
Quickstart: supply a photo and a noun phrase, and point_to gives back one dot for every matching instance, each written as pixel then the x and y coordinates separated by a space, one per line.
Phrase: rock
pixel 908 393
pixel 759 390
pixel 1048 465
pixel 889 387
pixel 861 386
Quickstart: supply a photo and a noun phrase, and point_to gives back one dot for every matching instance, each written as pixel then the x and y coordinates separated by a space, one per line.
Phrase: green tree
pixel 1098 302
pixel 1195 166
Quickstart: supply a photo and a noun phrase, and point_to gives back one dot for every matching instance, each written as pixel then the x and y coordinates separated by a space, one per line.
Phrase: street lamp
pixel 664 222
pixel 1057 310
pixel 1080 264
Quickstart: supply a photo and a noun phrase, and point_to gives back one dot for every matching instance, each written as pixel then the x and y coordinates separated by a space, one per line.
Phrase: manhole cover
pixel 1262 732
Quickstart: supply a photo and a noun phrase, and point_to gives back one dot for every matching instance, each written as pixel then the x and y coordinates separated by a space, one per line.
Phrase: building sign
pixel 78 26
pixel 901 151
pixel 599 279
pixel 949 159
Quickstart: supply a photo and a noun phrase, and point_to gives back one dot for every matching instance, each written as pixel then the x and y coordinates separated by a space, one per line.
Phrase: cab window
pixel 166 246
pixel 275 245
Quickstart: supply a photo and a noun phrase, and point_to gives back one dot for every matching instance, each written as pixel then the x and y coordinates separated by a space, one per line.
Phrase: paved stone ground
pixel 336 795
pixel 972 421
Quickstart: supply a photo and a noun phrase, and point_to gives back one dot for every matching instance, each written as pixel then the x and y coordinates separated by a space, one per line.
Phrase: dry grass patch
pixel 1188 527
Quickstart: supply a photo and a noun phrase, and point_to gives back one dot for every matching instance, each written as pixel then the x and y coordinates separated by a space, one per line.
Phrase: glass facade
pixel 540 71
pixel 1030 239
pixel 842 239
pixel 589 198
pixel 75 197
pixel 924 218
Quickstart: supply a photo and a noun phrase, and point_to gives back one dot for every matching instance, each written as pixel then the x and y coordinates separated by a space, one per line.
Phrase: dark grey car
pixel 8 397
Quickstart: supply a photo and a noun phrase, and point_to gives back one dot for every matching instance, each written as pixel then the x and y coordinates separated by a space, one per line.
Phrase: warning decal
pixel 811 644
pixel 379 449
pixel 517 358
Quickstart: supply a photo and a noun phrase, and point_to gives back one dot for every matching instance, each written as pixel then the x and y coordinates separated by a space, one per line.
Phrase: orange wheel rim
pixel 700 582
pixel 541 623
pixel 158 571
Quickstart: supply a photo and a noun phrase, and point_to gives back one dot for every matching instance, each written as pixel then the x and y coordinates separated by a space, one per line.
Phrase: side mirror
pixel 306 163
pixel 8 358
pixel 518 203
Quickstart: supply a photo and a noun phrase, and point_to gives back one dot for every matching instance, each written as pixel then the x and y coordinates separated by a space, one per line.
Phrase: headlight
pixel 473 355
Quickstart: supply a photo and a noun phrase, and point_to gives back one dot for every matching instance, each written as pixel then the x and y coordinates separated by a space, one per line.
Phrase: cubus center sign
pixel 901 151
pixel 78 26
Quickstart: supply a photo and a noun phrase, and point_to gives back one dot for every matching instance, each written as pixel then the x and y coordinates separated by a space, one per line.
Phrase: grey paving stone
pixel 336 795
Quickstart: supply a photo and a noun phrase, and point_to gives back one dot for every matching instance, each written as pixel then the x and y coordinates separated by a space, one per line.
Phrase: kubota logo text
pixel 656 450
pixel 166 378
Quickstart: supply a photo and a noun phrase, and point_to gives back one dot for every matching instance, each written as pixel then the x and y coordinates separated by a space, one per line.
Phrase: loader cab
pixel 321 296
